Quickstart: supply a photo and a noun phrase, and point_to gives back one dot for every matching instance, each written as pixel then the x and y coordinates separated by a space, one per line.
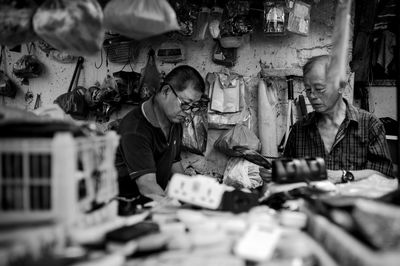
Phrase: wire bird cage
pixel 63 179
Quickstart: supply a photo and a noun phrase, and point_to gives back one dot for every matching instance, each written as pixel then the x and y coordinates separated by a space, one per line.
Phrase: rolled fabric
pixel 267 99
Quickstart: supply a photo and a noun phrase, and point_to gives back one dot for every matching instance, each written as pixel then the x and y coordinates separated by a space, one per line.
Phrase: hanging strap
pixel 77 71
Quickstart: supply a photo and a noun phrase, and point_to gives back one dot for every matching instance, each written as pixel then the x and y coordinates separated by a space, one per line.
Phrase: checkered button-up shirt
pixel 360 142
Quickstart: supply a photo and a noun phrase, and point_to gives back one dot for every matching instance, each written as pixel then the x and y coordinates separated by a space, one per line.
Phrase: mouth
pixel 316 104
pixel 181 118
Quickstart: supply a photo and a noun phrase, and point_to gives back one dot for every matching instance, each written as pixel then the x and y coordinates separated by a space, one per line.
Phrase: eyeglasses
pixel 316 90
pixel 193 107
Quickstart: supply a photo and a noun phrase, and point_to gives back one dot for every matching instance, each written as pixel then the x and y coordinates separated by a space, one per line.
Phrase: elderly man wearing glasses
pixel 352 141
pixel 150 144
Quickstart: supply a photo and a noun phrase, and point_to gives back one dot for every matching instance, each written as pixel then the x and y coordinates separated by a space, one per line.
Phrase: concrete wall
pixel 382 101
pixel 284 52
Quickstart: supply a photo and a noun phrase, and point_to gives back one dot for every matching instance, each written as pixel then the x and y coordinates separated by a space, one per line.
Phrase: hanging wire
pixel 129 61
pixel 101 60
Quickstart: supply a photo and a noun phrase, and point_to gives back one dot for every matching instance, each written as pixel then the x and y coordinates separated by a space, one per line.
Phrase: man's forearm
pixel 148 187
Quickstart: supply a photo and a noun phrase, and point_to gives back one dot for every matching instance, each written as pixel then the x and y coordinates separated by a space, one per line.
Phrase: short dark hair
pixel 180 76
pixel 316 59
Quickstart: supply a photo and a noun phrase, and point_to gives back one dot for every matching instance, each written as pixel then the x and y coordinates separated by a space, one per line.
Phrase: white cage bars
pixel 63 178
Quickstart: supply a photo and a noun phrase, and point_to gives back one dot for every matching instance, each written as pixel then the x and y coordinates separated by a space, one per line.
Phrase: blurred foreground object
pixel 73 26
pixel 206 192
pixel 139 19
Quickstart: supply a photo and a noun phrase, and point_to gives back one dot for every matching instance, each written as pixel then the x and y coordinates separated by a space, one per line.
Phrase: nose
pixel 311 94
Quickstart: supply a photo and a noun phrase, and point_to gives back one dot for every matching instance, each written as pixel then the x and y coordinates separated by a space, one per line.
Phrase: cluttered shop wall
pixel 277 55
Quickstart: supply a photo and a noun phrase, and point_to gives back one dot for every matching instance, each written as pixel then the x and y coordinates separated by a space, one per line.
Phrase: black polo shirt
pixel 144 149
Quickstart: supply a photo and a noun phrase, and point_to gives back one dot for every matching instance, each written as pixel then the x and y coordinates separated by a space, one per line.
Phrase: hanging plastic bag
pixel 27 67
pixel 299 18
pixel 215 21
pixel 226 120
pixel 16 25
pixel 109 91
pixel 139 19
pixel 226 93
pixel 73 103
pixel 186 13
pixel 92 96
pixel 274 18
pixel 201 24
pixel 240 173
pixel 150 78
pixel 128 85
pixel 239 136
pixel 195 135
pixel 72 26
pixel 7 87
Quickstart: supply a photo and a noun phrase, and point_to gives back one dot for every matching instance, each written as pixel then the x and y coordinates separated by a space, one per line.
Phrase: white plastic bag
pixel 73 26
pixel 238 136
pixel 139 19
pixel 240 173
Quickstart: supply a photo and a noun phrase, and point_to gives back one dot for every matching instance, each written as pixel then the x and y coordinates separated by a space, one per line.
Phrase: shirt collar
pixel 148 112
pixel 352 115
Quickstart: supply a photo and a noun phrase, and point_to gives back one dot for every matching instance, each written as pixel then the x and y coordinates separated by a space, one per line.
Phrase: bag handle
pixel 77 71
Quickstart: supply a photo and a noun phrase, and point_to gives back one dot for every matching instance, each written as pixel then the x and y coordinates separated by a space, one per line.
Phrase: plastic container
pixel 63 179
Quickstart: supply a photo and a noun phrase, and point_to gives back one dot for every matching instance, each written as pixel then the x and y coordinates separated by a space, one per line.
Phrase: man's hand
pixel 265 174
pixel 149 187
pixel 177 168
pixel 335 176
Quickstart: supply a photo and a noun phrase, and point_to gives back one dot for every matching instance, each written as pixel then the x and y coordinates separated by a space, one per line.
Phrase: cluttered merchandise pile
pixel 59 220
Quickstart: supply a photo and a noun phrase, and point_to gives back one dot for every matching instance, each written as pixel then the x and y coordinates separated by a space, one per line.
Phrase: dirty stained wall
pixel 281 53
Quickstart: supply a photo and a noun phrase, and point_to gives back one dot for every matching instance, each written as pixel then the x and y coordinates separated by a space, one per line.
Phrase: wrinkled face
pixel 321 96
pixel 176 102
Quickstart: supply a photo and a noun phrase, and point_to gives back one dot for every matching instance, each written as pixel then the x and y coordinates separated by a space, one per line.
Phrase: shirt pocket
pixel 358 150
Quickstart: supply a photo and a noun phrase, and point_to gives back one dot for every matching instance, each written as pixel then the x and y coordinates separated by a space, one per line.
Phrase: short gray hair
pixel 326 59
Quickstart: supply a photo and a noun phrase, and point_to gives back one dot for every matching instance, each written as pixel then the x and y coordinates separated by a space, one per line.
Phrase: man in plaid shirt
pixel 352 141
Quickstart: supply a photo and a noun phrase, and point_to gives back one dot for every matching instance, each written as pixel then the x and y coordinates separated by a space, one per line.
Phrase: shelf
pixel 391 137
pixel 382 83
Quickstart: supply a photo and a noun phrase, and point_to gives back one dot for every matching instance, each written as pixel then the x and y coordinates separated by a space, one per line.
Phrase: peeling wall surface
pixel 278 52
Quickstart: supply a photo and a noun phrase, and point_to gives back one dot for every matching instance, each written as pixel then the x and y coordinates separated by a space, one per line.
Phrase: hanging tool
pixel 38 102
pixel 77 71
pixel 289 120
pixel 302 106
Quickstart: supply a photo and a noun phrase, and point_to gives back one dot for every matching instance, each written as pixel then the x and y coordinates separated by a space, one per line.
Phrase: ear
pixel 342 86
pixel 164 90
